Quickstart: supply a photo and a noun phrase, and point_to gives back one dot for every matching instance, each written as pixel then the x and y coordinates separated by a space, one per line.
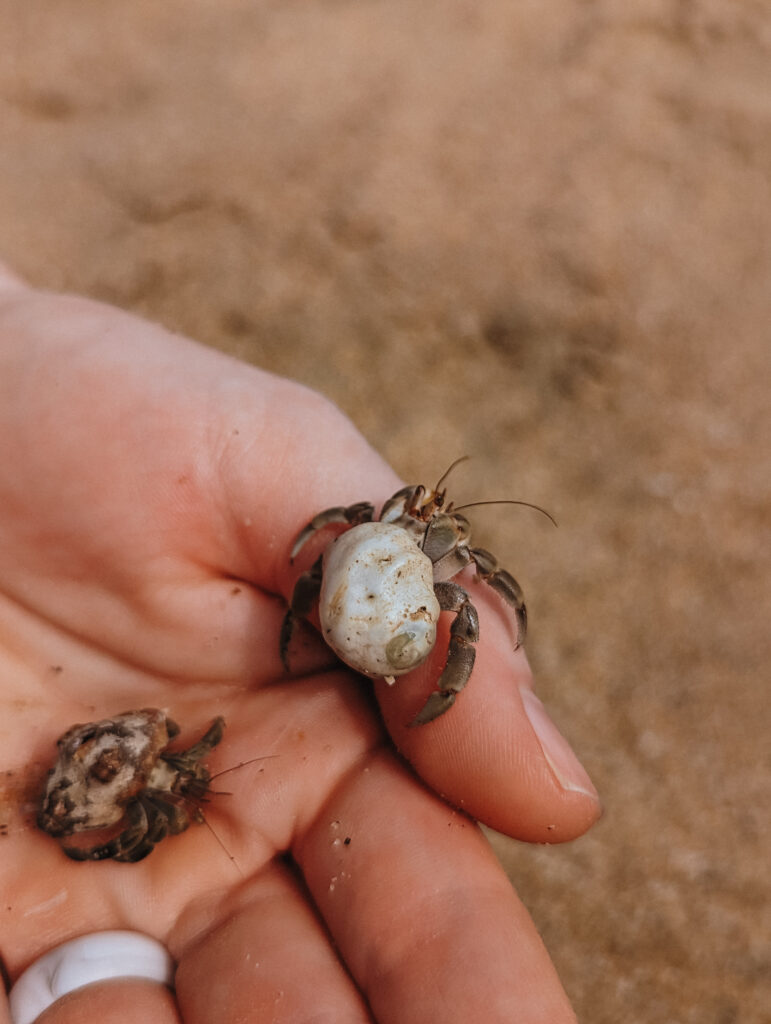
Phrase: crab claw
pixel 435 706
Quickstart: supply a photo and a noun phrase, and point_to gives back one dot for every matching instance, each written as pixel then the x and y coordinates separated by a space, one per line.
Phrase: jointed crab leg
pixel 158 828
pixel 305 594
pixel 116 848
pixel 350 515
pixel 190 757
pixel 464 633
pixel 504 584
pixel 150 819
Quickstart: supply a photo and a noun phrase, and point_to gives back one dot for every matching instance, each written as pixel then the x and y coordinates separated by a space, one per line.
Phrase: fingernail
pixel 568 770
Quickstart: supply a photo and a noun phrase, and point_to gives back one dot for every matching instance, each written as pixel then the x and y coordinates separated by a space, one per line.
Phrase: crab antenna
pixel 226 851
pixel 447 472
pixel 508 501
pixel 241 764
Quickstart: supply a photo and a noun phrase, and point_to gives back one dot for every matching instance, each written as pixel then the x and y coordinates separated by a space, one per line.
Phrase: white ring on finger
pixel 83 961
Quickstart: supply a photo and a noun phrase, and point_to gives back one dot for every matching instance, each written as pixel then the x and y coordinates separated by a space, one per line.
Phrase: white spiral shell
pixel 377 605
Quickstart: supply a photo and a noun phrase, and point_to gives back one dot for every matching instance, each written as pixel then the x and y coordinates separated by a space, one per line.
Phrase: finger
pixel 420 909
pixel 119 1001
pixel 495 752
pixel 263 955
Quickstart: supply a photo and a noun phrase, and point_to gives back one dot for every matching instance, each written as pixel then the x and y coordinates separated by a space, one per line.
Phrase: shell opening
pixel 405 649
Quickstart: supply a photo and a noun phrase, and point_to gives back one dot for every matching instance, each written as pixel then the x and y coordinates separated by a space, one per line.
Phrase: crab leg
pixel 352 515
pixel 405 502
pixel 157 829
pixel 464 633
pixel 132 836
pixel 444 542
pixel 199 750
pixel 305 594
pixel 504 584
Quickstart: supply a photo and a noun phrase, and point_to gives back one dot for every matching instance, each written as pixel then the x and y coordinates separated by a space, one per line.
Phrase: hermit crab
pixel 383 583
pixel 119 773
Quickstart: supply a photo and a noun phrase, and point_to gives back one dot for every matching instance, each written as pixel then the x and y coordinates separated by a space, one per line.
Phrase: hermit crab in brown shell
pixel 120 772
pixel 382 584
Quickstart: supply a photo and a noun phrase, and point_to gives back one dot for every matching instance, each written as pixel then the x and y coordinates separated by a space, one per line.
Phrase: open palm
pixel 150 490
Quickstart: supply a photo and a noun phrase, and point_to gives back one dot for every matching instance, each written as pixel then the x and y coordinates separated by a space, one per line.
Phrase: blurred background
pixel 538 234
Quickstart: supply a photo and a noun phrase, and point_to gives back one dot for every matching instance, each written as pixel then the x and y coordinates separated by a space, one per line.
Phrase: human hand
pixel 150 491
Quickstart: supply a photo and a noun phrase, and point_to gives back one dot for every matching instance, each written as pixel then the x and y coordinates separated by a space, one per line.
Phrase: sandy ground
pixel 538 233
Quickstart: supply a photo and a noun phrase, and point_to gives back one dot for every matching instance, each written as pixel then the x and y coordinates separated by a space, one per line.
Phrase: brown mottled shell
pixel 100 768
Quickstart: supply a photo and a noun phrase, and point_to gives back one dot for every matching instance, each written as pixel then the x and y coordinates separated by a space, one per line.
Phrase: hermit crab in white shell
pixel 382 585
